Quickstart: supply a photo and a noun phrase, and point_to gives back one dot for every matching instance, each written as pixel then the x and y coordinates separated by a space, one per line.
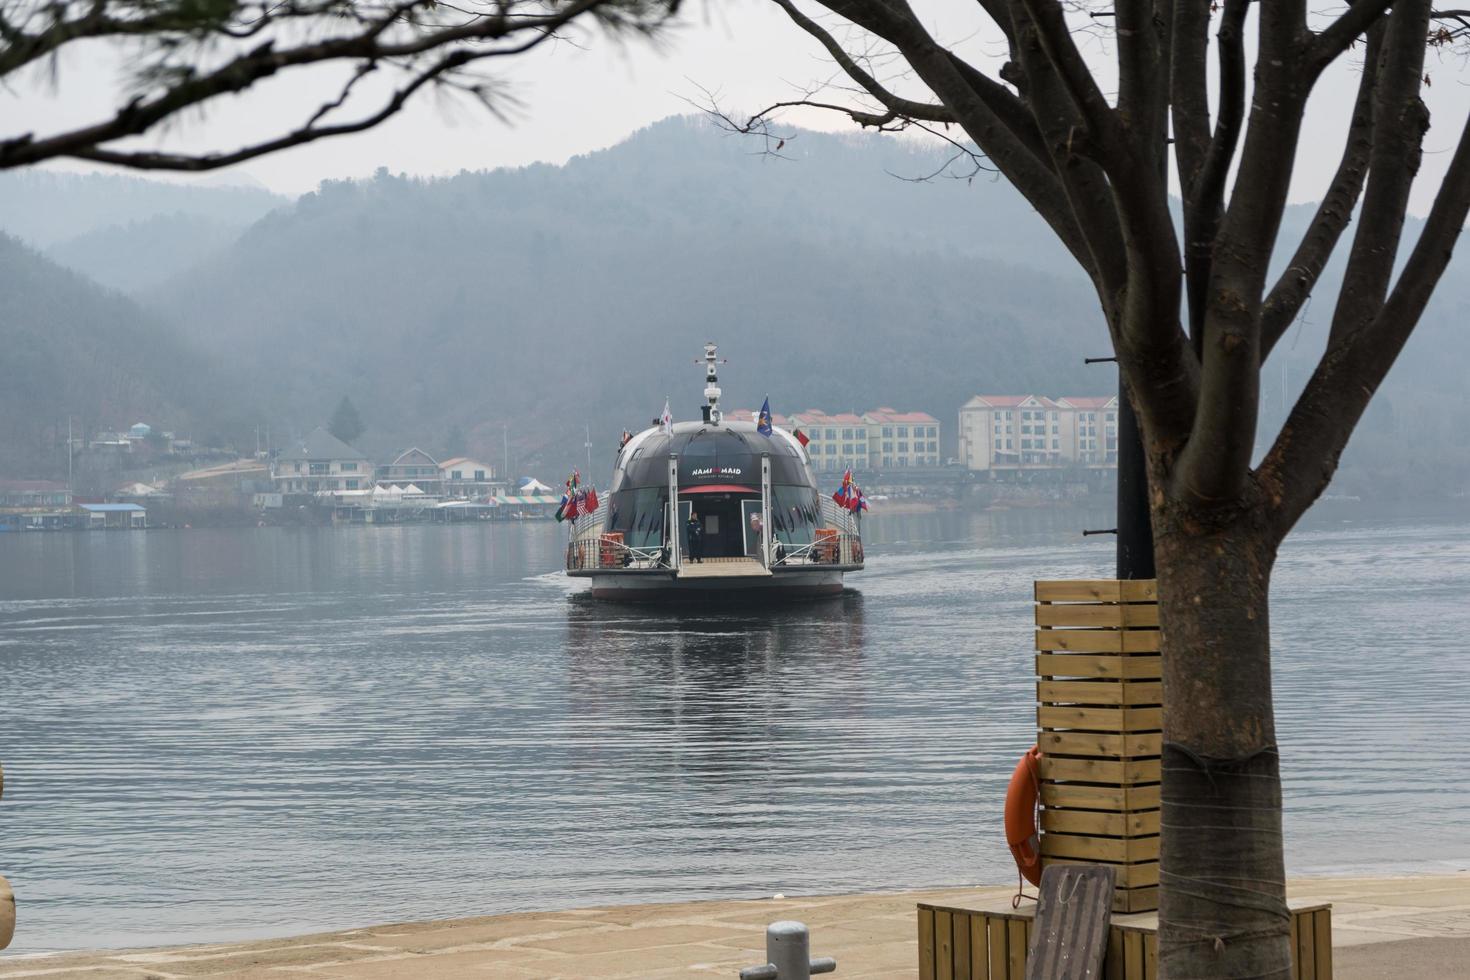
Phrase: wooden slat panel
pixel 960 928
pixel 1131 824
pixel 1151 956
pixel 1099 797
pixel 1119 667
pixel 1130 900
pixel 1097 616
pixel 1100 719
pixel 1139 590
pixel 1306 947
pixel 1296 960
pixel 1015 950
pixel 943 945
pixel 1123 693
pixel 1094 616
pixel 1079 590
pixel 1122 849
pixel 1080 692
pixel 1098 640
pixel 1133 955
pixel 1121 772
pixel 979 948
pixel 1113 965
pixel 1141 641
pixel 1130 876
pixel 995 928
pixel 1099 744
pixel 926 943
pixel 1081 641
pixel 1322 942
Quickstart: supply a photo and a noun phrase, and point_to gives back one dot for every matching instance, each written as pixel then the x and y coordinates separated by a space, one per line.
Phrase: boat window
pixel 639 515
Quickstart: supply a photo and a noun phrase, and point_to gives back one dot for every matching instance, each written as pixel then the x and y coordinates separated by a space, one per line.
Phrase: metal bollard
pixel 788 955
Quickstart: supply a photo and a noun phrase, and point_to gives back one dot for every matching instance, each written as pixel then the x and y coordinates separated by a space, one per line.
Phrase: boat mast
pixel 711 385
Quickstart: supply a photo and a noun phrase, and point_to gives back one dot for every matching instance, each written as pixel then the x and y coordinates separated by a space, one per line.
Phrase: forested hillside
pixel 71 348
pixel 126 232
pixel 542 297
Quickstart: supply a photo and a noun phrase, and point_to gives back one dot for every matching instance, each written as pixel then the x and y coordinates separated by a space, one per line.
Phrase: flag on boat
pixel 843 496
pixel 589 503
pixel 763 421
pixel 666 420
pixel 801 437
pixel 567 511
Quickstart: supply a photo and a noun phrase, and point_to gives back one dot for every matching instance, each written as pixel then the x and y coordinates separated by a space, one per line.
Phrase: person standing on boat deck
pixel 696 537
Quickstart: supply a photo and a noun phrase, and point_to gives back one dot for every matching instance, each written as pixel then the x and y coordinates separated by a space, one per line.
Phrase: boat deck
pixel 724 568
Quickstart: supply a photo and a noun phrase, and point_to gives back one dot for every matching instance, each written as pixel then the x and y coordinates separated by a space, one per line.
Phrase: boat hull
pixel 658 587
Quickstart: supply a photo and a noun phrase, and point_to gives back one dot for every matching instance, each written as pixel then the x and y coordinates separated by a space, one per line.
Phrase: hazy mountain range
pixel 542 299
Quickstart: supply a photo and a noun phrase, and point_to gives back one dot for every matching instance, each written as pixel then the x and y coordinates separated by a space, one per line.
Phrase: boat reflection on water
pixel 700 691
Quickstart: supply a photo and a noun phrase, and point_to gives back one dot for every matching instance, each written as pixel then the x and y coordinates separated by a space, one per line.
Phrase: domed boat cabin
pixel 746 513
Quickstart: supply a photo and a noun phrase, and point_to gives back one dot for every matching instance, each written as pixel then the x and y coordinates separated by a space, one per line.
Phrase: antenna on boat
pixel 711 408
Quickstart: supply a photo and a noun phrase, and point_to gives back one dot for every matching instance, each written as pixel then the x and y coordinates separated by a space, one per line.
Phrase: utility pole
pixel 588 445
pixel 68 454
pixel 1135 530
pixel 505 447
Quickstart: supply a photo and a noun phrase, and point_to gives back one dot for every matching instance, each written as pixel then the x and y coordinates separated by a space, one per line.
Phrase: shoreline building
pixel 412 466
pixel 879 439
pixel 321 463
pixel 462 478
pixel 1010 433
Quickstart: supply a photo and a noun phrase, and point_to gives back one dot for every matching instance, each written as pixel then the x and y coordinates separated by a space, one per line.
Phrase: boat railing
pixel 608 551
pixel 590 525
pixel 839 517
pixel 831 546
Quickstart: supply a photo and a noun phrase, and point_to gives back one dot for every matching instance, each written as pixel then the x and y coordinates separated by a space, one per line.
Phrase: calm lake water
pixel 227 733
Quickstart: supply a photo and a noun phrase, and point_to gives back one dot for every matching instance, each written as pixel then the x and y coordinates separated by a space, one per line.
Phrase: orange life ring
pixel 1021 831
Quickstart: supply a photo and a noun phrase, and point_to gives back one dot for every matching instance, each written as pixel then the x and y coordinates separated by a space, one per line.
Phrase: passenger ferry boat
pixel 768 531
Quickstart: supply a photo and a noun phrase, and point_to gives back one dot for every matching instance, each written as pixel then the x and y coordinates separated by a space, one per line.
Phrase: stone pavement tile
pixel 1415 959
pixel 1343 937
pixel 636 964
pixel 449 966
pixel 215 964
pixel 619 939
pixel 449 934
pixel 35 969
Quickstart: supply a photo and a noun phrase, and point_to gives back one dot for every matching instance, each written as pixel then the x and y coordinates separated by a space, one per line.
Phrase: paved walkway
pixel 1382 928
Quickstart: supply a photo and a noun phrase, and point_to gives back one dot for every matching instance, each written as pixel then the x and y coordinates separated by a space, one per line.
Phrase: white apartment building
pixel 1013 432
pixel 902 439
pixel 838 442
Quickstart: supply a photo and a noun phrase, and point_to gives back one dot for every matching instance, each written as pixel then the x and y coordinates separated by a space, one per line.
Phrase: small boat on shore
pixel 744 491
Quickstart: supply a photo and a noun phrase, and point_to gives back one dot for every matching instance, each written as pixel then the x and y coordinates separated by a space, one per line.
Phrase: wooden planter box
pixel 1099 719
pixel 958 943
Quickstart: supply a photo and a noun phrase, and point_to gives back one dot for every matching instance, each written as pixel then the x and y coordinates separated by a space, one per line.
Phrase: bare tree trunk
pixel 1223 893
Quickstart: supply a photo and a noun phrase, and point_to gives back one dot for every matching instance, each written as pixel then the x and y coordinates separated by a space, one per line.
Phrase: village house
pixel 462 477
pixel 321 463
pixel 412 466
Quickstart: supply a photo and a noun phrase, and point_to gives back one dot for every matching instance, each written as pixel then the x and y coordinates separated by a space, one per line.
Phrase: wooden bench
pixel 987 942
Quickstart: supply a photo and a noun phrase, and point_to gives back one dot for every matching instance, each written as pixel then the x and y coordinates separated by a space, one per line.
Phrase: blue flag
pixel 763 422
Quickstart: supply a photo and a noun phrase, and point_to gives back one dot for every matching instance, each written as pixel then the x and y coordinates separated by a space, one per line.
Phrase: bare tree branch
pixel 1304 457
pixel 412 36
pixel 1334 212
pixel 1400 122
pixel 1344 32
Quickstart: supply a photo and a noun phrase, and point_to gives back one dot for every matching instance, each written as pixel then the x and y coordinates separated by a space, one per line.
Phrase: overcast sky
pixel 579 97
